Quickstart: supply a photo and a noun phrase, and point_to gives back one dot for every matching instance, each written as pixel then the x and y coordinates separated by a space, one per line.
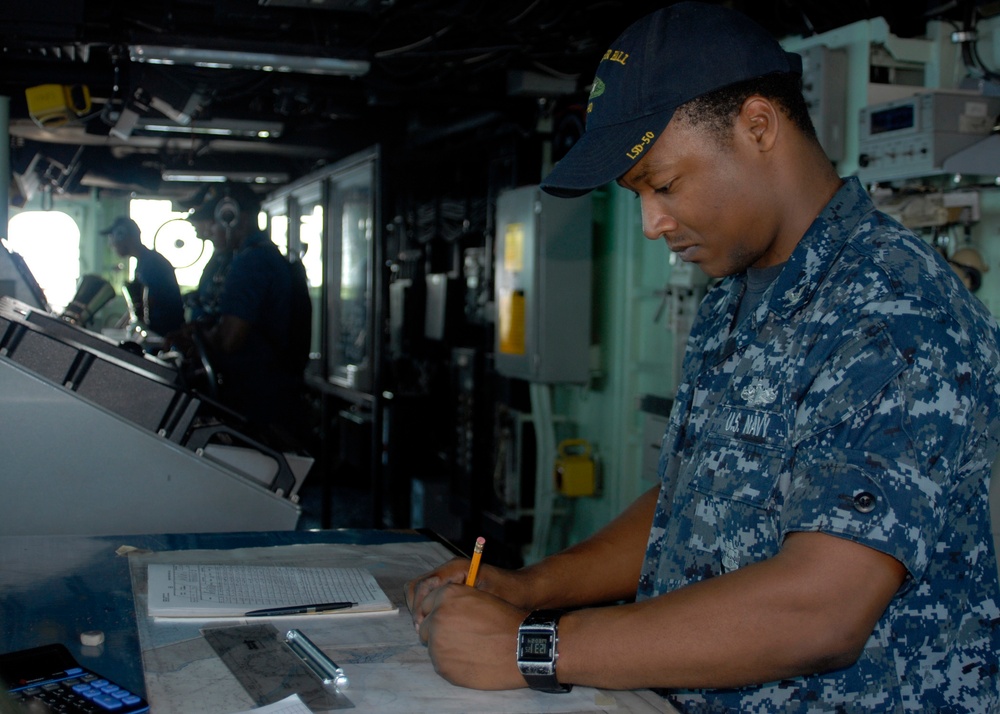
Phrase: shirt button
pixel 864 502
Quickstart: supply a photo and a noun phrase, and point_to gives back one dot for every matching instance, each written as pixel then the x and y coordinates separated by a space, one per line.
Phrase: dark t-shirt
pixel 263 379
pixel 165 310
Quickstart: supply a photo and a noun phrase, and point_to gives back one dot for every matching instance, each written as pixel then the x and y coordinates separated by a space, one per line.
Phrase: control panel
pixel 911 137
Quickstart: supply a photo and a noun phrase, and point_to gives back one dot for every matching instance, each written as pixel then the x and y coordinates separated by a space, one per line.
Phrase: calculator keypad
pixel 80 692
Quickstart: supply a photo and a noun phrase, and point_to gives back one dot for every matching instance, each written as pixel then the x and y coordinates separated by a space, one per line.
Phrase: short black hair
pixel 717 109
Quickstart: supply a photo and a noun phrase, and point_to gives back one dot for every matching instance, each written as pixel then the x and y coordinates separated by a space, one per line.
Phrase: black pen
pixel 301 609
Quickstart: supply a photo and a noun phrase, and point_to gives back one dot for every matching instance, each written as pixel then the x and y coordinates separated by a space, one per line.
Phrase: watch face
pixel 535 647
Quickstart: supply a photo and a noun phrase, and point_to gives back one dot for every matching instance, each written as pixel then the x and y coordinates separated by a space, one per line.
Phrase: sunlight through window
pixel 49 242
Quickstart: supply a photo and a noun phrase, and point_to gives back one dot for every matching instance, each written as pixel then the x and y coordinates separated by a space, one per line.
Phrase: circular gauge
pixel 177 241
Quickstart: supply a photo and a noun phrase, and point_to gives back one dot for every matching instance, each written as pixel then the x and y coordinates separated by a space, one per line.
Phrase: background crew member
pixel 260 339
pixel 821 537
pixel 203 303
pixel 161 310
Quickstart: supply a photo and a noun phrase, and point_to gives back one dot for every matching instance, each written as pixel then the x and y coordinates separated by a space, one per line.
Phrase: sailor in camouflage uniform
pixel 820 540
pixel 858 399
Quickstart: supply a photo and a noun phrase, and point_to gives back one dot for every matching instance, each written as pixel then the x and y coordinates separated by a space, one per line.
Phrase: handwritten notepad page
pixel 210 591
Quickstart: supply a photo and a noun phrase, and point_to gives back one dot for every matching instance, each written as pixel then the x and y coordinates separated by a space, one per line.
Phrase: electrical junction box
pixel 543 286
pixel 575 469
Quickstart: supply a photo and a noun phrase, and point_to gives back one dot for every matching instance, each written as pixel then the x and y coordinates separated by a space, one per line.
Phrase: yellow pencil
pixel 477 553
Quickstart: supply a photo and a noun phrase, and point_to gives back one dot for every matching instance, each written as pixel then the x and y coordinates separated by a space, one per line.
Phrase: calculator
pixel 48 679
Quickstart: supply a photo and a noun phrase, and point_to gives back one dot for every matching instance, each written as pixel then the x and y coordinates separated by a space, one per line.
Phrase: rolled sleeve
pixel 865 499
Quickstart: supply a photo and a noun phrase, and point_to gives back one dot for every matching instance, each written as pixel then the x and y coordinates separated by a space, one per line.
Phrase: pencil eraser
pixel 91 638
pixel 480 541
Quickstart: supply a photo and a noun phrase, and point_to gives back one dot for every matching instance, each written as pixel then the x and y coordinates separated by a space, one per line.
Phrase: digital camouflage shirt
pixel 860 399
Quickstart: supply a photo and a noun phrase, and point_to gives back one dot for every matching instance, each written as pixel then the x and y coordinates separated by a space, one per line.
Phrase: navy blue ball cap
pixel 121 227
pixel 660 62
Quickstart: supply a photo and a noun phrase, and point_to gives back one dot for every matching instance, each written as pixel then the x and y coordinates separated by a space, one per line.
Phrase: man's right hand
pixel 505 584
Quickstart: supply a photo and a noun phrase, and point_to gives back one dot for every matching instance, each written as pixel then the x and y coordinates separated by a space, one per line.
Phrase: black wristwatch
pixel 537 651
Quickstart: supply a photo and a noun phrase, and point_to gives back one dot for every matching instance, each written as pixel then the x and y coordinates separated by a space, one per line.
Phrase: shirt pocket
pixel 735 477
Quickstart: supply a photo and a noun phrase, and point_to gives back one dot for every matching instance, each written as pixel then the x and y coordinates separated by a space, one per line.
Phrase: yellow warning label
pixel 513 248
pixel 510 322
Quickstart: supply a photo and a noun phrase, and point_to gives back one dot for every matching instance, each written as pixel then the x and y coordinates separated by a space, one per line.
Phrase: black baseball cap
pixel 204 210
pixel 122 226
pixel 660 62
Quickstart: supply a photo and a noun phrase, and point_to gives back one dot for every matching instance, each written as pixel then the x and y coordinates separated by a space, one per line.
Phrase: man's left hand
pixel 472 637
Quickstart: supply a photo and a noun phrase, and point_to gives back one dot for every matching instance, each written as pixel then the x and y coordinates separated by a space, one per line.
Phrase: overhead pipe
pixel 5 172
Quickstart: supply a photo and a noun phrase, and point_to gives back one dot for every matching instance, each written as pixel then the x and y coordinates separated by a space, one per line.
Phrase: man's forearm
pixel 809 609
pixel 602 568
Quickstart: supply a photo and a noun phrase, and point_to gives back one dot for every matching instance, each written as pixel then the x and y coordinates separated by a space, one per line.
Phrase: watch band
pixel 537 651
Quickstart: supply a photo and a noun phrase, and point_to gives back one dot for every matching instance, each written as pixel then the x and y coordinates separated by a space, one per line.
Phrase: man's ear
pixel 759 118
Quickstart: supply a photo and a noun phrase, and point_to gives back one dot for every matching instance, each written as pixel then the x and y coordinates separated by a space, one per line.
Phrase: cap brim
pixel 605 154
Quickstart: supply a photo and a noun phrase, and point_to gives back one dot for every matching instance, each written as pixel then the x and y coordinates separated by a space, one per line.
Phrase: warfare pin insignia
pixel 758 394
